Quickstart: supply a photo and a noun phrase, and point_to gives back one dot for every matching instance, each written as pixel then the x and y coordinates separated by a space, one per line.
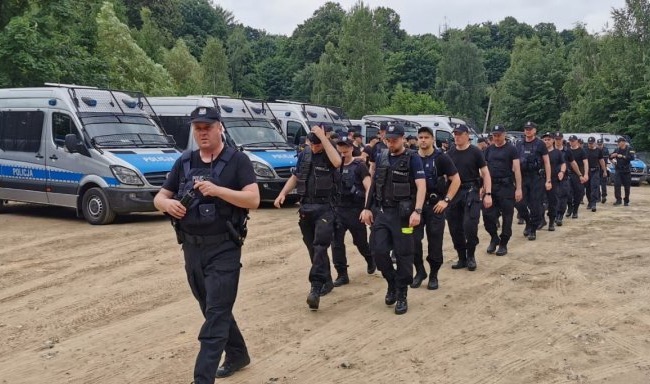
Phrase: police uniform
pixel 556 159
pixel 603 180
pixel 564 186
pixel 392 201
pixel 592 187
pixel 577 188
pixel 211 232
pixel 438 168
pixel 532 164
pixel 348 205
pixel 500 162
pixel 622 176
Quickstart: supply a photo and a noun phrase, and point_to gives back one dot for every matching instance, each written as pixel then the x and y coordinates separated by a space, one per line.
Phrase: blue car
pixel 639 172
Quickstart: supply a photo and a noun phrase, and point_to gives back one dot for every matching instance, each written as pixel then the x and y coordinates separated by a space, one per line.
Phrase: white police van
pixel 91 149
pixel 249 126
pixel 296 118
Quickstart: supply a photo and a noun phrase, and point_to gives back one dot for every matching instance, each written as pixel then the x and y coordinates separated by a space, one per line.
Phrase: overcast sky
pixel 429 16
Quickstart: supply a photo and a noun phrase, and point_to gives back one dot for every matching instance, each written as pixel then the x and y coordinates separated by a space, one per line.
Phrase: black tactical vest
pixel 392 183
pixel 530 160
pixel 436 184
pixel 351 190
pixel 315 178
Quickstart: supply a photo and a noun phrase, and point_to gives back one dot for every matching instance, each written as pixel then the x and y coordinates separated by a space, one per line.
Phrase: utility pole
pixel 487 114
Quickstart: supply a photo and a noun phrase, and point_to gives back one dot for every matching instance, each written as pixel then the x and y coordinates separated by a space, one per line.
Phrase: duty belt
pixel 204 239
pixel 502 180
pixel 593 169
pixel 315 200
pixel 469 185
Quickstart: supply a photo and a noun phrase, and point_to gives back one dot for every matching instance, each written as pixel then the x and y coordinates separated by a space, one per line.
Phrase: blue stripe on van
pixel 150 162
pixel 277 159
pixel 16 172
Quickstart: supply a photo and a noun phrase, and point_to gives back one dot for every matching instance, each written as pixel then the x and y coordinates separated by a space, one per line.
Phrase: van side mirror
pixel 74 145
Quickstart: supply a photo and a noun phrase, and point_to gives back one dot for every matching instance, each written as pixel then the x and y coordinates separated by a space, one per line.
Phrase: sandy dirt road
pixel 110 304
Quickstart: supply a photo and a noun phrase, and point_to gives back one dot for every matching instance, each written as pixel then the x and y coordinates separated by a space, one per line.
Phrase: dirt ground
pixel 110 304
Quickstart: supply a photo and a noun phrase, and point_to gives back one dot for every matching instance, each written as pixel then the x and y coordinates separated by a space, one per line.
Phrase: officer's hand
pixel 279 201
pixel 414 220
pixel 487 201
pixel 548 185
pixel 207 188
pixel 175 208
pixel 604 173
pixel 366 217
pixel 440 207
pixel 518 195
pixel 319 132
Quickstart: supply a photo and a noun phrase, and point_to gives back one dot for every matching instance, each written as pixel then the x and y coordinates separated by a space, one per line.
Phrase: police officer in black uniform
pixel 597 169
pixel 564 183
pixel 442 185
pixel 376 146
pixel 558 171
pixel 603 180
pixel 579 178
pixel 536 178
pixel 315 181
pixel 393 208
pixel 503 163
pixel 465 211
pixel 208 193
pixel 622 156
pixel 354 181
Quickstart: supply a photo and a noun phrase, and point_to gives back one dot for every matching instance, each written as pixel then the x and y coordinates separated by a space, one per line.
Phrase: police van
pixel 249 126
pixel 296 118
pixel 95 150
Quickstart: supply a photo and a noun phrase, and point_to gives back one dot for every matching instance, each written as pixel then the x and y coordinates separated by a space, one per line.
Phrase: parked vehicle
pixel 296 118
pixel 639 171
pixel 442 130
pixel 249 126
pixel 95 150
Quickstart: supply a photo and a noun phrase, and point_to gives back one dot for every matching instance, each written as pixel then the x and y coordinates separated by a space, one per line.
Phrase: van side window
pixel 62 125
pixel 294 131
pixel 442 136
pixel 178 127
pixel 21 131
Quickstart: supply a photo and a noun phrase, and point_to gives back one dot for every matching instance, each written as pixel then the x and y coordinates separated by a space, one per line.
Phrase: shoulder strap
pixel 228 153
pixel 186 161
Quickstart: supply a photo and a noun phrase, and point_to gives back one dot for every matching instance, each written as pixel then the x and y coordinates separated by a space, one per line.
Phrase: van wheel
pixel 95 207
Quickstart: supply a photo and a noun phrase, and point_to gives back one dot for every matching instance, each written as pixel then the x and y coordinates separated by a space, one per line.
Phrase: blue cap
pixel 394 131
pixel 498 129
pixel 461 128
pixel 205 115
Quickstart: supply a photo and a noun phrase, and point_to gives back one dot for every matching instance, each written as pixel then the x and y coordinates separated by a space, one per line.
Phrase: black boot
pixel 575 211
pixel 493 244
pixel 341 279
pixel 372 267
pixel 462 260
pixel 551 224
pixel 532 235
pixel 420 275
pixel 503 250
pixel 433 276
pixel 313 299
pixel 527 231
pixel 327 287
pixel 471 261
pixel 542 224
pixel 391 295
pixel 558 221
pixel 401 306
pixel 618 202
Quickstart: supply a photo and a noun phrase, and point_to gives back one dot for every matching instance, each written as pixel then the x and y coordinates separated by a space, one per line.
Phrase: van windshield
pixel 254 133
pixel 124 131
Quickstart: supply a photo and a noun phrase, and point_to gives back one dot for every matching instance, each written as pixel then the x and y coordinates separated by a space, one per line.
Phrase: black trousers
pixel 552 199
pixel 530 206
pixel 434 225
pixel 592 187
pixel 503 204
pixel 213 275
pixel 563 193
pixel 347 219
pixel 317 227
pixel 463 216
pixel 603 185
pixel 577 192
pixel 389 232
pixel 622 179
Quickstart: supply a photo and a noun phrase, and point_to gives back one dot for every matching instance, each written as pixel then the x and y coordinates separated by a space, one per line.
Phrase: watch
pixel 418 211
pixel 488 193
pixel 446 199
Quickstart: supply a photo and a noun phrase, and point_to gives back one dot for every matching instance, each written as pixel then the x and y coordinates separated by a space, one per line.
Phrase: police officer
pixel 597 168
pixel 563 190
pixel 412 142
pixel 536 178
pixel 622 157
pixel 464 212
pixel 603 180
pixel 579 177
pixel 393 208
pixel 503 163
pixel 354 181
pixel 558 171
pixel 376 146
pixel 314 180
pixel 208 193
pixel 442 182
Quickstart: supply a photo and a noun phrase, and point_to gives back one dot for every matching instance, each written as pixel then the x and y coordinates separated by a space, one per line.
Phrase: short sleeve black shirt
pixel 556 158
pixel 468 162
pixel 579 155
pixel 499 160
pixel 442 165
pixel 593 157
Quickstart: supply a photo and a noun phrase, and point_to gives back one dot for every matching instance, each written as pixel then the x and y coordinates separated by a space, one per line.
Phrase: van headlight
pixel 262 170
pixel 126 176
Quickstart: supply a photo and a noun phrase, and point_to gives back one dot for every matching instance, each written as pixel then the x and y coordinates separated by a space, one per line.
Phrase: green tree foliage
pixel 215 68
pixel 11 8
pixel 200 20
pixel 406 102
pixel 392 35
pixel 129 67
pixel 328 78
pixel 461 81
pixel 240 61
pixel 184 69
pixel 415 65
pixel 361 53
pixel 150 37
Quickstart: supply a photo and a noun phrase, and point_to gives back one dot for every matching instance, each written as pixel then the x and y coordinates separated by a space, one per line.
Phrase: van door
pixel 442 136
pixel 23 159
pixel 64 169
pixel 295 130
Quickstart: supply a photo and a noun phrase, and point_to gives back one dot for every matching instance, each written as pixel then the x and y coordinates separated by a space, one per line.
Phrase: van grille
pixel 156 178
pixel 283 172
pixel 637 169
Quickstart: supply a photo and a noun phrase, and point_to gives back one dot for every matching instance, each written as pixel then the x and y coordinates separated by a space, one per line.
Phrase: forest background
pixel 360 59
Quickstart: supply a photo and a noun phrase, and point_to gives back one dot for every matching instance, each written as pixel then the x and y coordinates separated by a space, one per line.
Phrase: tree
pixel 240 60
pixel 200 20
pixel 184 69
pixel 150 37
pixel 129 67
pixel 406 102
pixel 415 65
pixel 328 78
pixel 215 68
pixel 388 21
pixel 361 54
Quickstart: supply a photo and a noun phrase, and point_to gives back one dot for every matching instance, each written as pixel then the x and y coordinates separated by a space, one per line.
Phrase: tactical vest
pixel 623 165
pixel 351 191
pixel 436 184
pixel 392 183
pixel 208 211
pixel 528 157
pixel 315 179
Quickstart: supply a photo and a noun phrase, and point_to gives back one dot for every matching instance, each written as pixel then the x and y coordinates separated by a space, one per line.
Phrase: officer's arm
pixel 421 186
pixel 516 169
pixel 487 180
pixel 332 153
pixel 585 166
pixel 454 186
pixel 248 197
pixel 574 167
pixel 165 202
pixel 367 182
pixel 602 165
pixel 289 185
pixel 547 168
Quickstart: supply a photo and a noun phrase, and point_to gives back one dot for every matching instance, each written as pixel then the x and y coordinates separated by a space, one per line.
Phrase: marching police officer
pixel 314 180
pixel 603 180
pixel 208 193
pixel 503 163
pixel 442 182
pixel 353 184
pixel 579 178
pixel 622 156
pixel 393 208
pixel 558 164
pixel 597 168
pixel 464 213
pixel 376 146
pixel 536 178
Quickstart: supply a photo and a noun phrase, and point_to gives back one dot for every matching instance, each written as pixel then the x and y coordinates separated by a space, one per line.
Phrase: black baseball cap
pixel 591 140
pixel 394 131
pixel 621 139
pixel 461 128
pixel 411 137
pixel 205 115
pixel 425 129
pixel 547 134
pixel 599 141
pixel 357 134
pixel 344 140
pixel 498 129
pixel 383 126
pixel 530 124
pixel 482 140
pixel 558 135
pixel 313 138
pixel 573 138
